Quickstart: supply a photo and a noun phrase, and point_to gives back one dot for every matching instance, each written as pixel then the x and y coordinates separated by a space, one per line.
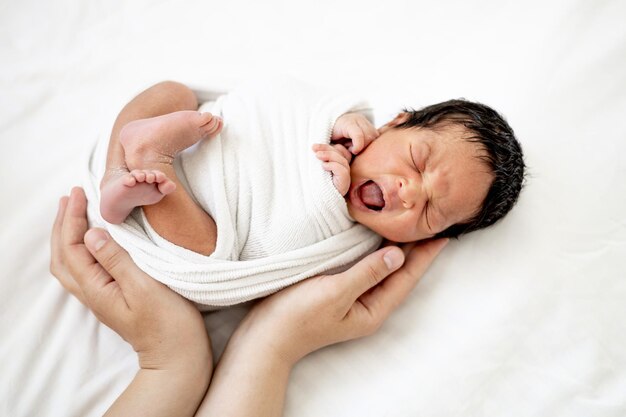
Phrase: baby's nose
pixel 407 192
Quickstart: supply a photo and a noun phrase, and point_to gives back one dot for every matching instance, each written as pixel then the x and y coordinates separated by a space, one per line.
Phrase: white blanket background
pixel 526 319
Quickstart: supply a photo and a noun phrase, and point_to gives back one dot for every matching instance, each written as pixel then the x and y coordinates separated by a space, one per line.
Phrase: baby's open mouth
pixel 372 196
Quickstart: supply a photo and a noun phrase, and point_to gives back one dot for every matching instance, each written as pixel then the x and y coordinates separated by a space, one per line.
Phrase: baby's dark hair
pixel 503 155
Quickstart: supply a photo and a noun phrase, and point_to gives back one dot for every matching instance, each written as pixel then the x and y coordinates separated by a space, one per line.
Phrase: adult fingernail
pixel 95 239
pixel 393 258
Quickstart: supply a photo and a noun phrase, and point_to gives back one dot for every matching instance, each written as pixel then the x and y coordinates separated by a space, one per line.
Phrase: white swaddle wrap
pixel 279 217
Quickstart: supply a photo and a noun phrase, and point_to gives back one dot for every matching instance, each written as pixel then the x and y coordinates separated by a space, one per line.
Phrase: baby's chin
pixel 402 239
pixel 393 236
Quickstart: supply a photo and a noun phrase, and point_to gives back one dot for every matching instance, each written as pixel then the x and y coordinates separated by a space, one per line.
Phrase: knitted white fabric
pixel 279 217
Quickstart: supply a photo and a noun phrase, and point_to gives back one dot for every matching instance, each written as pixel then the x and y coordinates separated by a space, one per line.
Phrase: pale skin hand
pixel 169 336
pixel 166 331
pixel 351 134
pixel 320 311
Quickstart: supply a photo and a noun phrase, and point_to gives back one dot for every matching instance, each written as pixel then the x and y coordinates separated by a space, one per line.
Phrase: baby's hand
pixel 357 129
pixel 336 160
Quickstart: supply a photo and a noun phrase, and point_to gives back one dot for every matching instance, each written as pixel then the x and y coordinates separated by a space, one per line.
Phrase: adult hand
pixel 305 317
pixel 334 308
pixel 166 331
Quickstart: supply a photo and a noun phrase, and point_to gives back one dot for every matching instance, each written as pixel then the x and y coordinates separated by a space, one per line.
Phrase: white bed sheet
pixel 526 319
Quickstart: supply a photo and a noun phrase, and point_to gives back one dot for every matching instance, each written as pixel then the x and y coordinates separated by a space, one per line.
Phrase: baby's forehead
pixel 457 146
pixel 453 136
pixel 469 174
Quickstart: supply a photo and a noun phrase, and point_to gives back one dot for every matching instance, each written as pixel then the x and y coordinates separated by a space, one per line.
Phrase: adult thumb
pixel 113 258
pixel 375 267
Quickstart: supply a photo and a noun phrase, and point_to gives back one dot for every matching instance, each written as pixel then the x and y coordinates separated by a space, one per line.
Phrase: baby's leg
pixel 146 142
pixel 153 144
pixel 194 230
pixel 163 98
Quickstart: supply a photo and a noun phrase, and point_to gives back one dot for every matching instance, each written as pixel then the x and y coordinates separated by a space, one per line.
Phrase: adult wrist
pixel 247 342
pixel 188 355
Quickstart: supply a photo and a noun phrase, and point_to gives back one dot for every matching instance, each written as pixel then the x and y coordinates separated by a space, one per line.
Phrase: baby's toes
pixel 207 123
pixel 213 127
pixel 166 187
pixel 139 175
pixel 129 180
pixel 159 176
pixel 218 127
pixel 150 177
pixel 204 118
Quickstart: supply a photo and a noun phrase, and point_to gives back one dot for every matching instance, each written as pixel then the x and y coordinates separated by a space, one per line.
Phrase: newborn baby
pixel 409 184
pixel 444 170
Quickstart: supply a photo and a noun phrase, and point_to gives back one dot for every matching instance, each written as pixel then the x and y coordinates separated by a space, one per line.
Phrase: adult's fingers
pixel 119 266
pixel 80 264
pixel 75 218
pixel 93 281
pixel 371 270
pixel 389 294
pixel 56 260
pixel 77 261
pixel 57 266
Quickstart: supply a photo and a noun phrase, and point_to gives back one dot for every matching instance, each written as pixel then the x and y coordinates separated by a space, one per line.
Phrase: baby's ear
pixel 398 120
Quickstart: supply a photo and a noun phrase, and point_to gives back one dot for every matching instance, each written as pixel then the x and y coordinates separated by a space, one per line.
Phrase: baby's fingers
pixel 328 153
pixel 369 132
pixel 355 133
pixel 341 176
pixel 362 134
pixel 343 151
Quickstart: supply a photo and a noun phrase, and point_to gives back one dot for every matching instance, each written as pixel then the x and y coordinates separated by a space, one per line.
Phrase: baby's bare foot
pixel 150 142
pixel 122 193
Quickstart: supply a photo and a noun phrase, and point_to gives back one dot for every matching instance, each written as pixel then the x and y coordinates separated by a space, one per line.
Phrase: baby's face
pixel 410 184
